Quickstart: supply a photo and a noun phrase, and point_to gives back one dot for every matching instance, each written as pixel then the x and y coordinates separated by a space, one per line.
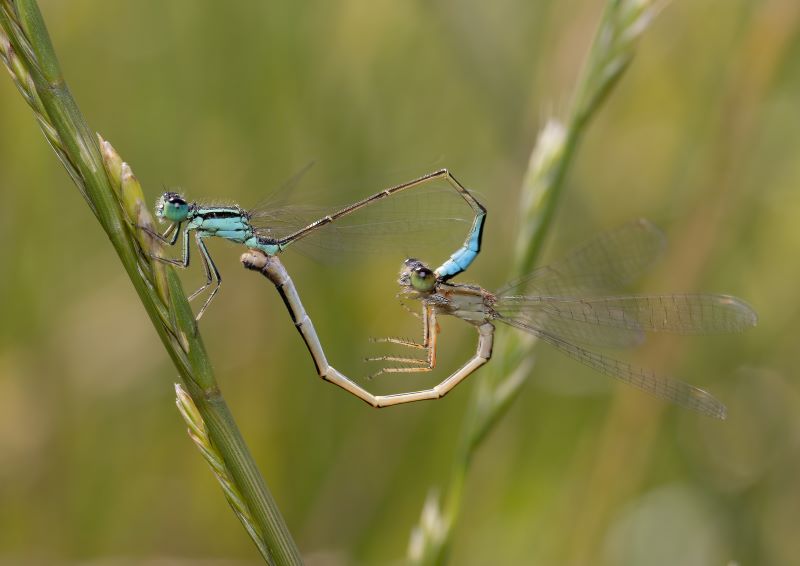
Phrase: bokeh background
pixel 228 100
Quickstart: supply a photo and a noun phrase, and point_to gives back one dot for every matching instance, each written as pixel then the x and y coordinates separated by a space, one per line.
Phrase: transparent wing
pixel 608 263
pixel 621 321
pixel 666 388
pixel 431 217
pixel 541 313
pixel 285 193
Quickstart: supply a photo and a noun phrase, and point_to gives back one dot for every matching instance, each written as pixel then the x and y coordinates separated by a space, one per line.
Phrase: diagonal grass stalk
pixel 199 434
pixel 611 52
pixel 115 197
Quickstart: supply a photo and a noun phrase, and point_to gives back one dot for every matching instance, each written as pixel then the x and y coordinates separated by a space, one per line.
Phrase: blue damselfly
pixel 271 229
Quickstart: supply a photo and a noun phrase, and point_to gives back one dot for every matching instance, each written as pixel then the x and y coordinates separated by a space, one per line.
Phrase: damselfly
pixel 271 229
pixel 571 304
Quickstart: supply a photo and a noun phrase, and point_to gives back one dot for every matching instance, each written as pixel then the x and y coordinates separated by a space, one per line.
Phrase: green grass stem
pixel 611 52
pixel 116 199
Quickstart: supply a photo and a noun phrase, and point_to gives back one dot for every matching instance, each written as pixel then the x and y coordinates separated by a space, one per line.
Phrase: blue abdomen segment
pixel 269 248
pixel 232 225
pixel 462 258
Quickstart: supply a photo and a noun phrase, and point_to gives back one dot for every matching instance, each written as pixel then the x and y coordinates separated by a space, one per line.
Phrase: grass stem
pixel 116 199
pixel 611 52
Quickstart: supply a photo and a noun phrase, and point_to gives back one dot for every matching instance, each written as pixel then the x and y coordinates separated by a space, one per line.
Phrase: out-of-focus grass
pixel 611 52
pixel 226 101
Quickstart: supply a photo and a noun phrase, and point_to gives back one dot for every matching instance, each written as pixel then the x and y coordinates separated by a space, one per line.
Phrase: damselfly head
pixel 172 207
pixel 416 277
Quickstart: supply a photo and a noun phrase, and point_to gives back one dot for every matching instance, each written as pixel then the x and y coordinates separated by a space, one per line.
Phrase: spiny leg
pixel 406 308
pixel 425 363
pixel 212 274
pixel 165 238
pixel 429 334
pixel 482 355
pixel 402 341
pixel 183 263
pixel 406 341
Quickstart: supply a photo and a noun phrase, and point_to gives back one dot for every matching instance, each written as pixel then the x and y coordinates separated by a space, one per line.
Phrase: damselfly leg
pixel 429 334
pixel 209 267
pixel 212 275
pixel 182 263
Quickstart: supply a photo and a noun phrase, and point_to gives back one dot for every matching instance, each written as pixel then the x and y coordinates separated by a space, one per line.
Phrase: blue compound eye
pixel 172 207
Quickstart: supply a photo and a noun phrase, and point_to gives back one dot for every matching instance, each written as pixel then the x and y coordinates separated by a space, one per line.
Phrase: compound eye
pixel 423 279
pixel 172 207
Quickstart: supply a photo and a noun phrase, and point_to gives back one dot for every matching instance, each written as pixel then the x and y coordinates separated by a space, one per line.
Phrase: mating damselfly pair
pixel 574 304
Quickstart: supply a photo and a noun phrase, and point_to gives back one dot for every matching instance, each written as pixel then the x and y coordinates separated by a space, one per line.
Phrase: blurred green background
pixel 228 100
